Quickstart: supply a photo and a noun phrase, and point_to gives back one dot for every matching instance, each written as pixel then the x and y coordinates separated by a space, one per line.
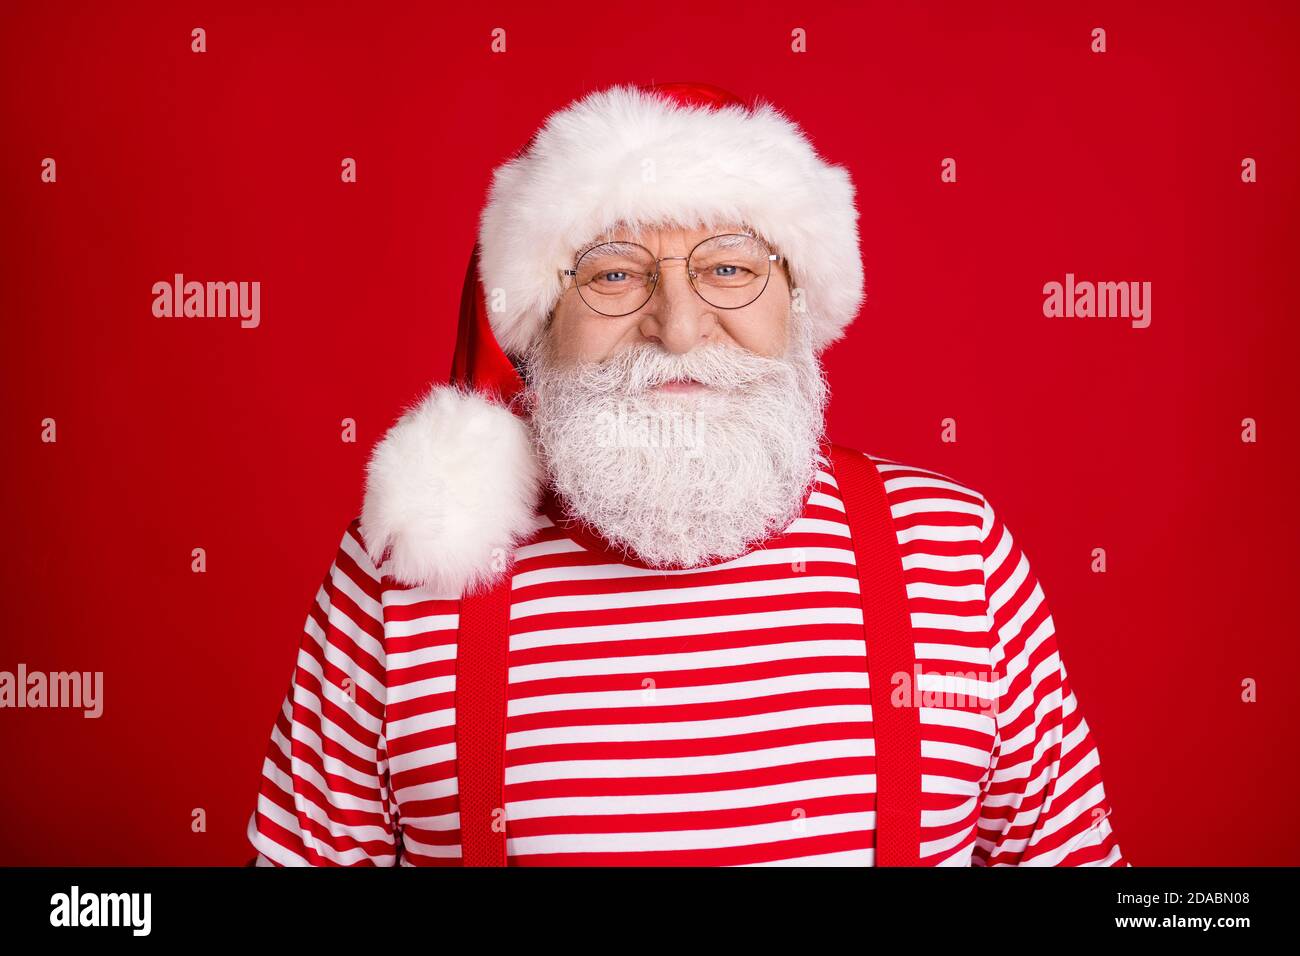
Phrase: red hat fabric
pixel 478 362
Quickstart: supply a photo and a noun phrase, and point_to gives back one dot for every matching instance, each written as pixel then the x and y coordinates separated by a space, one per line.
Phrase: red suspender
pixel 888 626
pixel 482 681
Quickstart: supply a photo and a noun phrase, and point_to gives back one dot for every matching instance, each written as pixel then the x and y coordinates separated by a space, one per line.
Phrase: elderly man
pixel 613 599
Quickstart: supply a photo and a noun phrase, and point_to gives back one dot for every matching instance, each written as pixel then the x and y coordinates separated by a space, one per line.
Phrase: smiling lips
pixel 680 387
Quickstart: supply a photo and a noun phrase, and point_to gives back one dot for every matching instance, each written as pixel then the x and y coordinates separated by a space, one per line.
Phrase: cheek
pixel 577 338
pixel 765 331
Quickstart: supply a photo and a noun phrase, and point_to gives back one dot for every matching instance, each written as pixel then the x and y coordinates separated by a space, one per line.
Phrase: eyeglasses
pixel 729 271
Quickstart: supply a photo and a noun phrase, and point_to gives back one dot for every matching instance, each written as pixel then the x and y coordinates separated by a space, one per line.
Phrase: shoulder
pixel 920 495
pixel 942 521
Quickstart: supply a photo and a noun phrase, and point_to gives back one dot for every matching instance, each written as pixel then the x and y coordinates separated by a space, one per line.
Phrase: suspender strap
pixel 890 651
pixel 481 683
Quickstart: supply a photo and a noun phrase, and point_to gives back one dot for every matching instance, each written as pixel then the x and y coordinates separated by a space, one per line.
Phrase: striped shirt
pixel 712 716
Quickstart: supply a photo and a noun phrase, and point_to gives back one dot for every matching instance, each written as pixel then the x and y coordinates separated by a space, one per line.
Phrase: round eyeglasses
pixel 728 271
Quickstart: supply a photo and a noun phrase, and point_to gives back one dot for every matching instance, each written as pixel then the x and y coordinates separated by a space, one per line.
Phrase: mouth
pixel 681 386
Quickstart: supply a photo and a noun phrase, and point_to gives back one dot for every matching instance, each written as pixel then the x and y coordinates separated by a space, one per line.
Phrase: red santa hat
pixel 453 487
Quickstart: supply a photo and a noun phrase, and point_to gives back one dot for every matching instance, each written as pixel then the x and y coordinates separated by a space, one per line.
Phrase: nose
pixel 676 317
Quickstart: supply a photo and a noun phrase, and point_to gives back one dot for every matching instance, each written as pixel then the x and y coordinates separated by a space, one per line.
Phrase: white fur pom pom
pixel 451 490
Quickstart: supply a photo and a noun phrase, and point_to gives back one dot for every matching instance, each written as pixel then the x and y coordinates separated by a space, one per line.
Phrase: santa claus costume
pixel 487 678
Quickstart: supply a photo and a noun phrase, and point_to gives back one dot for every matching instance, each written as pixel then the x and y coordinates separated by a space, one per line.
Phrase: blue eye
pixel 608 274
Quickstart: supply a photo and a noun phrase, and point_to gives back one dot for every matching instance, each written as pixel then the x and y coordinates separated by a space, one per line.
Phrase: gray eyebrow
pixel 624 246
pixel 617 247
pixel 736 239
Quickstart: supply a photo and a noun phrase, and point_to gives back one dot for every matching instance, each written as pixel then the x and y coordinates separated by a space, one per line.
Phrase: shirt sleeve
pixel 1042 800
pixel 324 798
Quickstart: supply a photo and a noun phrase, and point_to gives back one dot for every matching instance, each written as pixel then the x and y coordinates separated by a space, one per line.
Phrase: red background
pixel 175 434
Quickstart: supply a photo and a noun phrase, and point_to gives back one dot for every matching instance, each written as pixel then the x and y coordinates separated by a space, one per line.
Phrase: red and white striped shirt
pixel 716 716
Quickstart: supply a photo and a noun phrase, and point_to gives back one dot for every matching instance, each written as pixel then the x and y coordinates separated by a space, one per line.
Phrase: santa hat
pixel 453 487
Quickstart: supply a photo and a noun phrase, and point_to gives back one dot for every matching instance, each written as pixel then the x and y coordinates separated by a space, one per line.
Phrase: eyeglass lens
pixel 728 272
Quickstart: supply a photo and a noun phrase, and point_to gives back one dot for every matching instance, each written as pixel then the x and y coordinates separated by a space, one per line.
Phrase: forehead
pixel 651 234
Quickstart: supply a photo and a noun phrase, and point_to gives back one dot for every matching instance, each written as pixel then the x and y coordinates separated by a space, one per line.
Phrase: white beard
pixel 681 480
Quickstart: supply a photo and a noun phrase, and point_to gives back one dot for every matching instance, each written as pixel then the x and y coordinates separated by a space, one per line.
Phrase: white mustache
pixel 641 368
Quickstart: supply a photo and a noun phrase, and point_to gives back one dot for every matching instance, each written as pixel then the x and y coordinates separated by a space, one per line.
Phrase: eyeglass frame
pixel 771 257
